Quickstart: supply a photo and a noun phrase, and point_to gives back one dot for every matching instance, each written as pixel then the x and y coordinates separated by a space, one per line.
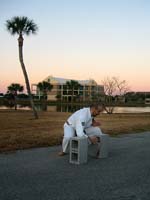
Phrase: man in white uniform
pixel 82 124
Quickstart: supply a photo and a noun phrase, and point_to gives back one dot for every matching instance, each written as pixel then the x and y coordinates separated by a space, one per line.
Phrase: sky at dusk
pixel 78 39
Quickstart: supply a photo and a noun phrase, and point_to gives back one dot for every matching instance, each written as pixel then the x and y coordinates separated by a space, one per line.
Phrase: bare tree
pixel 113 86
pixel 122 86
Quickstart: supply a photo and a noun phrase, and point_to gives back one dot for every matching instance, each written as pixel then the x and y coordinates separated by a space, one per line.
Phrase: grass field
pixel 19 130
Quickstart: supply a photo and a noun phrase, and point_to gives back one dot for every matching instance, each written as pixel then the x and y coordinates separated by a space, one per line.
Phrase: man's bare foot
pixel 61 153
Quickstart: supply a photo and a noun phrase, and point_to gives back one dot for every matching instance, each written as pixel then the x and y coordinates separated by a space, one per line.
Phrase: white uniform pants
pixel 69 132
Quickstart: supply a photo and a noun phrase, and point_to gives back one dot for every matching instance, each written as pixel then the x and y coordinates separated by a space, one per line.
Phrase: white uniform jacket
pixel 81 120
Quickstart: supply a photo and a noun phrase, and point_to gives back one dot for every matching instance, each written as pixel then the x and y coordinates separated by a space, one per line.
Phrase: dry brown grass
pixel 19 130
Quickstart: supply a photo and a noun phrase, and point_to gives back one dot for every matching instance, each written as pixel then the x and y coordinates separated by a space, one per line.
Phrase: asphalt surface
pixel 39 174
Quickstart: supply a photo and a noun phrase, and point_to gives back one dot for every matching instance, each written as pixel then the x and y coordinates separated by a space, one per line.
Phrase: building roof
pixel 62 81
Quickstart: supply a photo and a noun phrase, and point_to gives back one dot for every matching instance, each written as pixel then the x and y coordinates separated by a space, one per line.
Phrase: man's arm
pixel 79 127
pixel 80 132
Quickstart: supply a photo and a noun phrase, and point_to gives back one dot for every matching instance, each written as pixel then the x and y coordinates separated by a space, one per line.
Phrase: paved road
pixel 39 174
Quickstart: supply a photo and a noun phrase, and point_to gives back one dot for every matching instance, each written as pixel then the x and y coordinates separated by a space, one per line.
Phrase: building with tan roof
pixel 87 91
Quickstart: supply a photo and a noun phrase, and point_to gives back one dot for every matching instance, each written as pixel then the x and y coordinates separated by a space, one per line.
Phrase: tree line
pixel 116 92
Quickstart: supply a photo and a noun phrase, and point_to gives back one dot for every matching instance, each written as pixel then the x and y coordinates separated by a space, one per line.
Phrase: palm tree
pixel 14 88
pixel 23 26
pixel 44 87
pixel 72 86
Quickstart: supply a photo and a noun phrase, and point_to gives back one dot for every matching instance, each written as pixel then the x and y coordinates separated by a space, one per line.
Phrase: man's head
pixel 96 109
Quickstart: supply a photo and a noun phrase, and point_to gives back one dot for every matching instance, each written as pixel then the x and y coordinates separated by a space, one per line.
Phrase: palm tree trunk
pixel 15 101
pixel 20 44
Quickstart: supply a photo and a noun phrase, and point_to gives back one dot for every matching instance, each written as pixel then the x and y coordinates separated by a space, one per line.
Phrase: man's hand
pixel 93 139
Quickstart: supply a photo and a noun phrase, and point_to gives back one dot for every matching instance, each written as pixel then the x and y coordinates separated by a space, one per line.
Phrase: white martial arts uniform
pixel 80 124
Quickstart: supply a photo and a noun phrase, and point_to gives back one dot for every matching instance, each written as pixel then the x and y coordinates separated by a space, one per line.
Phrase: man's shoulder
pixel 85 110
pixel 82 111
